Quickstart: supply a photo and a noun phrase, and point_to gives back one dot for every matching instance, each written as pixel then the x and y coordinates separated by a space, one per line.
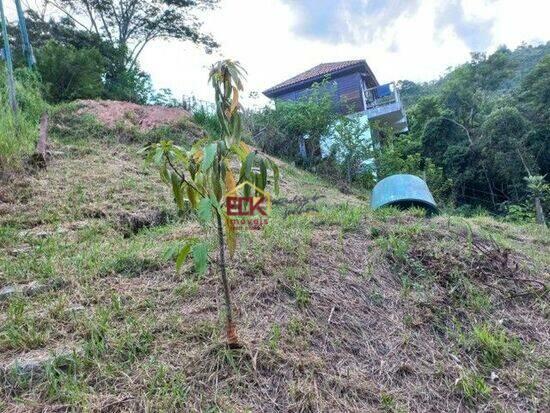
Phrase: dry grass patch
pixel 338 308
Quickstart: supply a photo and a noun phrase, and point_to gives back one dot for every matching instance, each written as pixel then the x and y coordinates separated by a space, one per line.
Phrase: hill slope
pixel 503 72
pixel 338 308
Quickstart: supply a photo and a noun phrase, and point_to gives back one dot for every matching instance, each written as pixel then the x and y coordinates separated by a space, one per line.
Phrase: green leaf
pixel 205 210
pixel 200 257
pixel 209 155
pixel 193 196
pixel 246 169
pixel 164 175
pixel 216 204
pixel 263 174
pixel 159 153
pixel 216 184
pixel 276 177
pixel 182 255
pixel 176 189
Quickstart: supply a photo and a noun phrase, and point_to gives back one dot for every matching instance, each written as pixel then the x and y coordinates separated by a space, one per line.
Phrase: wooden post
pixel 9 63
pixel 39 157
pixel 41 147
pixel 539 212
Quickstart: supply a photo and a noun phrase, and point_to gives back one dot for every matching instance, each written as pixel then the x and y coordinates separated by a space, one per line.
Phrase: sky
pixel 400 39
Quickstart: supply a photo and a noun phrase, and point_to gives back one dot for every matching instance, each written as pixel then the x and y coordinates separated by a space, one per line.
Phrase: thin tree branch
pixel 461 126
pixel 70 16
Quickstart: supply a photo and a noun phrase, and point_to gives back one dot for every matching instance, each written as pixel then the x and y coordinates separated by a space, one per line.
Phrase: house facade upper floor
pixel 354 89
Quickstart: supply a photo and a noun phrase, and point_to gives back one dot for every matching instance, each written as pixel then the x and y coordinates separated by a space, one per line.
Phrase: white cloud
pixel 411 43
pixel 262 35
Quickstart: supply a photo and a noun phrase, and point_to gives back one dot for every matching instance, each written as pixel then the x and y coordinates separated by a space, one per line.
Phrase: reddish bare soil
pixel 113 112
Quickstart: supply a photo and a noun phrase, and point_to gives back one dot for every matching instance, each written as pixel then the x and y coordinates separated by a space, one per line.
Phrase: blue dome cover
pixel 402 190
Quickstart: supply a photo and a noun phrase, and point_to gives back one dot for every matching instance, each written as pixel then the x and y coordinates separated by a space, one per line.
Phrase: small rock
pixel 9 290
pixel 131 223
pixel 76 308
pixel 34 362
pixel 35 287
pixel 21 250
pixel 32 288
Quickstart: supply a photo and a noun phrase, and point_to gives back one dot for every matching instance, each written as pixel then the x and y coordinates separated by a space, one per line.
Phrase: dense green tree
pixel 486 124
pixel 132 24
pixel 279 130
pixel 69 73
pixel 502 146
pixel 537 142
pixel 119 30
pixel 534 94
pixel 352 144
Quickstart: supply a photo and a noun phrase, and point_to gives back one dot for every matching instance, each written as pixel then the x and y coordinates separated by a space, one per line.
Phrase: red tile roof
pixel 315 72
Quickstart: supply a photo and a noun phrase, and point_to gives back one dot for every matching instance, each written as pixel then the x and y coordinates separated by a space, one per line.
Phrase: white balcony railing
pixel 383 104
pixel 380 96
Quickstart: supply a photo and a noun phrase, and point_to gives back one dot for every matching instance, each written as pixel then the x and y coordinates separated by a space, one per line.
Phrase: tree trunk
pixel 489 186
pixel 43 137
pixel 232 339
pixel 39 157
pixel 539 212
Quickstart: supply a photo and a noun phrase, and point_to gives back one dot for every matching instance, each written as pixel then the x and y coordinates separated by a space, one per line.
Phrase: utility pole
pixel 27 47
pixel 7 57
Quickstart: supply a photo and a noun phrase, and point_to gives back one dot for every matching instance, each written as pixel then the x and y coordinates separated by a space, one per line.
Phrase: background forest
pixel 479 135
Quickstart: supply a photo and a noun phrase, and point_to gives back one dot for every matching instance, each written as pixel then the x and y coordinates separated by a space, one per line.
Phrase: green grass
pixel 166 389
pixel 348 217
pixel 493 345
pixel 148 331
pixel 19 133
pixel 22 330
pixel 473 387
pixel 275 334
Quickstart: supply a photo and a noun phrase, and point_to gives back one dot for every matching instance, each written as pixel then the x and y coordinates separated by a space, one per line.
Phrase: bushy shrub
pixel 278 130
pixel 19 132
pixel 69 73
pixel 208 121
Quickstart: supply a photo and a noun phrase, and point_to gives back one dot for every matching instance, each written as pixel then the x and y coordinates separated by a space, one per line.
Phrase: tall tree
pixel 69 73
pixel 132 24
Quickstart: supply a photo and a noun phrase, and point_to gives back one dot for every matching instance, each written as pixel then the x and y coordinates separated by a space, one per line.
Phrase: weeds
pixel 301 295
pixel 473 387
pixel 188 288
pixel 19 133
pixel 21 331
pixel 493 345
pixel 132 342
pixel 344 215
pixel 63 383
pixel 167 389
pixel 274 336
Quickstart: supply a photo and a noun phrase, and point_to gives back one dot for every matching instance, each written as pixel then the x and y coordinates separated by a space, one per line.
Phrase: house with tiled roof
pixel 355 91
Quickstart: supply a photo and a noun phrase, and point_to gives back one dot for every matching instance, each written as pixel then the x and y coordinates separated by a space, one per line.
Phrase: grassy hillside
pixel 339 308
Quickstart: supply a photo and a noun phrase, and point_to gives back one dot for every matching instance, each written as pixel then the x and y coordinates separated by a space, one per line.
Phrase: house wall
pixel 347 94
